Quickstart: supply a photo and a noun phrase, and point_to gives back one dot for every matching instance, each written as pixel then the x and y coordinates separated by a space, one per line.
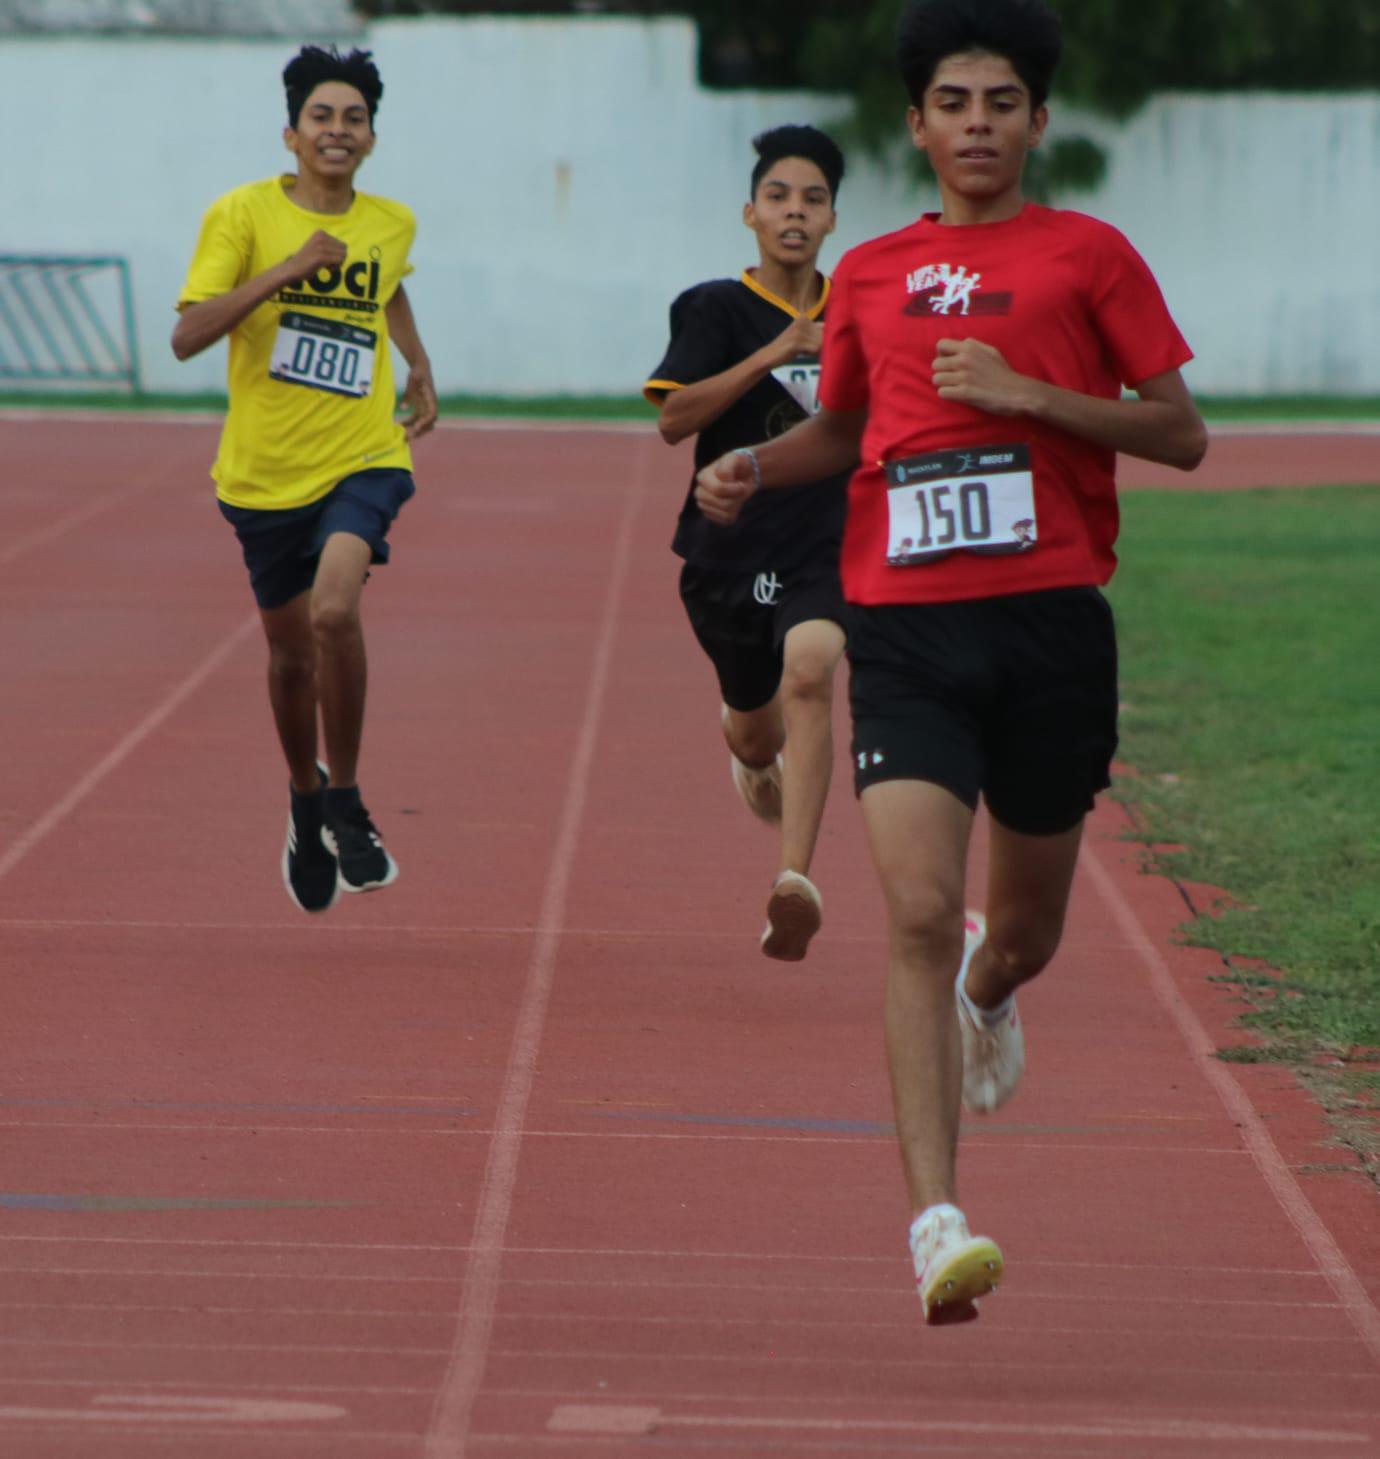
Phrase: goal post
pixel 67 319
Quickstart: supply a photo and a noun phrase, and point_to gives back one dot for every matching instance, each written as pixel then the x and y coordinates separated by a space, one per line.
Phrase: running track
pixel 534 1154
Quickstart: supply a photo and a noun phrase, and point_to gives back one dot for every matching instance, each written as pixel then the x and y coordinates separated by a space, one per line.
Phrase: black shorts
pixel 742 619
pixel 282 549
pixel 1011 698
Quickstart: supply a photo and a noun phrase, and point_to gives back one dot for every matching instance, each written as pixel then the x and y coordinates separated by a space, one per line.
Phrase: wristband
pixel 752 458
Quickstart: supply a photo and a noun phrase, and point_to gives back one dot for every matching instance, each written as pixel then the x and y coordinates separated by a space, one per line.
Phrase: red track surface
pixel 534 1153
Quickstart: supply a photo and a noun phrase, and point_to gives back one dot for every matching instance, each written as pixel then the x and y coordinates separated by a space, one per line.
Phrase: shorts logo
pixel 874 757
pixel 766 588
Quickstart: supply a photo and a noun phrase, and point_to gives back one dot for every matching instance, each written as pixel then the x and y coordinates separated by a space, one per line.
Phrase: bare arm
pixel 687 411
pixel 200 325
pixel 1162 425
pixel 419 396
pixel 825 445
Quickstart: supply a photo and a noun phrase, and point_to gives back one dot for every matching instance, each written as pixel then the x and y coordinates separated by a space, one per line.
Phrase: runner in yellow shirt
pixel 304 275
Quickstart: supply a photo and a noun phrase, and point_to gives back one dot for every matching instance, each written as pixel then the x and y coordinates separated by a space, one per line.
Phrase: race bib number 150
pixel 981 501
pixel 324 354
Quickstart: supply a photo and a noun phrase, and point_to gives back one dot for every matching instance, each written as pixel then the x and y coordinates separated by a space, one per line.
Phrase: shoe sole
pixel 951 1294
pixel 287 881
pixel 793 918
pixel 389 877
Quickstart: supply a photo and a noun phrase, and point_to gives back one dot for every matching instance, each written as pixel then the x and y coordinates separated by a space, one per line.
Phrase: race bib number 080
pixel 980 501
pixel 324 354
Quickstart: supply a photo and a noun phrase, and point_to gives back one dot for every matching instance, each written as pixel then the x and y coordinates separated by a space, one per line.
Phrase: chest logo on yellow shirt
pixel 943 289
pixel 353 286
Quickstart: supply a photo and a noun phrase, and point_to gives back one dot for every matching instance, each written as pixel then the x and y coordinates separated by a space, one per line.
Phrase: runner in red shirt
pixel 972 374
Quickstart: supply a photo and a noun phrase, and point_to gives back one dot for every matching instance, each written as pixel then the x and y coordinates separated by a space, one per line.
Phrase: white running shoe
pixel 993 1055
pixel 794 912
pixel 759 789
pixel 952 1268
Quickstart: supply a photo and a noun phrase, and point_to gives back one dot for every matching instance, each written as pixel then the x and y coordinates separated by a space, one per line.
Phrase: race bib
pixel 324 354
pixel 800 380
pixel 982 500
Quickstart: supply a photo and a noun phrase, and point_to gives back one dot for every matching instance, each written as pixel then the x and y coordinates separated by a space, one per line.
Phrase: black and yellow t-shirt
pixel 715 326
pixel 310 379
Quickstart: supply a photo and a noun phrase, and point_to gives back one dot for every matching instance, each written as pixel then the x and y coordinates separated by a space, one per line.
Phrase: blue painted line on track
pixel 26 1201
pixel 178 1106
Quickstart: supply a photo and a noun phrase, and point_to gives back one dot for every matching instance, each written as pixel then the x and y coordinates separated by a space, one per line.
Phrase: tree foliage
pixel 1117 53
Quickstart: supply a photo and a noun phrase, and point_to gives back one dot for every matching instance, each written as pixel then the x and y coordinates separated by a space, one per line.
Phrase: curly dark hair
pixel 314 64
pixel 807 142
pixel 1025 32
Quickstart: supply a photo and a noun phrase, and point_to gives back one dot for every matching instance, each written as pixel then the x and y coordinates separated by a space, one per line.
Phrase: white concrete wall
pixel 571 176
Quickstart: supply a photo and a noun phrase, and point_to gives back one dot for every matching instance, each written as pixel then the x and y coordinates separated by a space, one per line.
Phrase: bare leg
pixel 919 836
pixel 755 736
pixel 1028 884
pixel 341 666
pixel 292 687
pixel 813 651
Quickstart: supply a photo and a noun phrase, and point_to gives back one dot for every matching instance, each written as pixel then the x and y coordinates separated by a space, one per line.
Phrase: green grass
pixel 1250 632
pixel 633 407
pixel 1289 407
pixel 556 407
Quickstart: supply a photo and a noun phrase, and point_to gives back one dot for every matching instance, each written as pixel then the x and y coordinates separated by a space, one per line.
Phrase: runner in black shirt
pixel 763 595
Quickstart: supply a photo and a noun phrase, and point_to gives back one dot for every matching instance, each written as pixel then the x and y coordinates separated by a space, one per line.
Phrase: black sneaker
pixel 309 869
pixel 363 860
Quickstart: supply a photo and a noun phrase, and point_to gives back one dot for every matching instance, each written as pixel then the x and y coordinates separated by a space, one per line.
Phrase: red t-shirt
pixel 1066 299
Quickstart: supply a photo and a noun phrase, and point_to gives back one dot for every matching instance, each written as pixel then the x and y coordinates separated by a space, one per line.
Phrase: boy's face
pixel 333 134
pixel 976 124
pixel 792 212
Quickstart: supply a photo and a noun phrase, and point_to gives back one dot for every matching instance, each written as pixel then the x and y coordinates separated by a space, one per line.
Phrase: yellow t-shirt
pixel 310 379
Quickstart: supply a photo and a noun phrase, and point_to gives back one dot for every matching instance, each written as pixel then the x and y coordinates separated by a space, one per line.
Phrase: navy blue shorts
pixel 282 549
pixel 1013 699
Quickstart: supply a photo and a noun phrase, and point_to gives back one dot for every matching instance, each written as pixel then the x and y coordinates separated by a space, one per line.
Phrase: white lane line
pixel 70 522
pixel 602 1318
pixel 140 1408
pixel 601 425
pixel 623 1254
pixel 261 1128
pixel 1308 1391
pixel 94 415
pixel 873 1294
pixel 450 1420
pixel 1310 1384
pixel 1295 428
pixel 57 813
pixel 628 1419
pixel 1323 1248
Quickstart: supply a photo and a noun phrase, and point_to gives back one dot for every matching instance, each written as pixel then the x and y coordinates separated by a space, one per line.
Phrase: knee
pixel 927 927
pixel 333 622
pixel 754 739
pixel 808 682
pixel 1021 947
pixel 291 664
pixel 754 747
